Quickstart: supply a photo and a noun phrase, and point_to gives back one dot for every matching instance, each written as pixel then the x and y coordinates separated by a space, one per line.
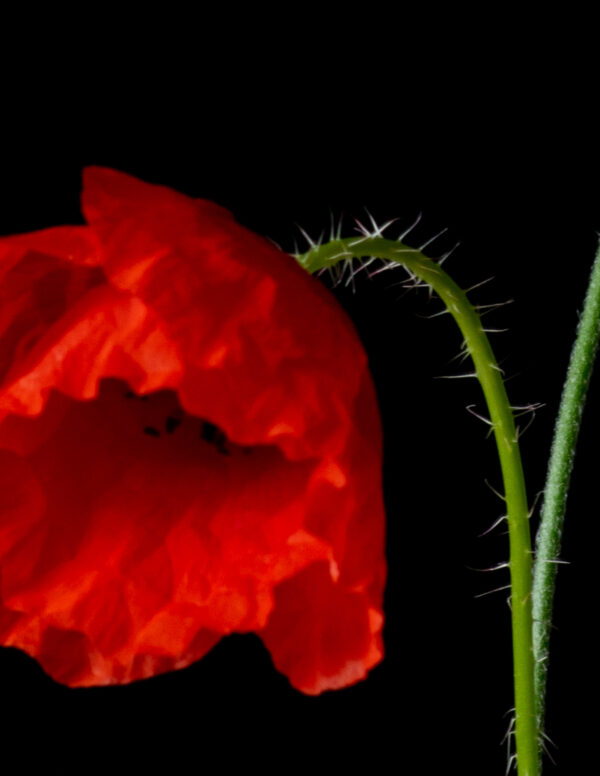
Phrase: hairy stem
pixel 489 375
pixel 557 482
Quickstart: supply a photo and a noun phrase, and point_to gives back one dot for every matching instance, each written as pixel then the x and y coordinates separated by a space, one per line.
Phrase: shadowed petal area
pixel 171 530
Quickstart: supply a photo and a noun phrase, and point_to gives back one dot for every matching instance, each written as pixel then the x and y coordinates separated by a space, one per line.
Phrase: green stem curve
pixel 489 375
pixel 566 431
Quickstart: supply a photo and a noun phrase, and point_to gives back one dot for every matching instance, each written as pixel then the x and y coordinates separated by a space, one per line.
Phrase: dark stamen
pixel 171 424
pixel 208 432
pixel 214 436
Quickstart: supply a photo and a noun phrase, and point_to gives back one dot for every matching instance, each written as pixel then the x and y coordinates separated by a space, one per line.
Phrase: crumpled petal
pixel 190 446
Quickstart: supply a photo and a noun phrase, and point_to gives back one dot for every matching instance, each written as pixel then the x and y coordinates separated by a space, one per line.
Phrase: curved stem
pixel 557 482
pixel 489 375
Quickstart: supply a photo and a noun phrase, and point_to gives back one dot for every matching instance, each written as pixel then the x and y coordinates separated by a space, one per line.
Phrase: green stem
pixel 557 482
pixel 489 375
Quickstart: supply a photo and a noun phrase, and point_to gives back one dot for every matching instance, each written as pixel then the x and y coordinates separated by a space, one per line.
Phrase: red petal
pixel 131 540
pixel 321 635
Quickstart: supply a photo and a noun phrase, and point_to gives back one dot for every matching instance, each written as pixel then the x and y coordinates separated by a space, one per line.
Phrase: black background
pixel 502 157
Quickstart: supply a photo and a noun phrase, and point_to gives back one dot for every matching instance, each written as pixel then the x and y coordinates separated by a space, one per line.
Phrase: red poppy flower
pixel 189 446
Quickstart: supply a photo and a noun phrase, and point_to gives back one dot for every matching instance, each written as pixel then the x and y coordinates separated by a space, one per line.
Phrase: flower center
pixel 122 477
pixel 169 423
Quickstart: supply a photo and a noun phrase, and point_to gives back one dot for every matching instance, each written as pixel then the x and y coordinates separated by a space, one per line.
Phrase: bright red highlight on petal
pixel 190 446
